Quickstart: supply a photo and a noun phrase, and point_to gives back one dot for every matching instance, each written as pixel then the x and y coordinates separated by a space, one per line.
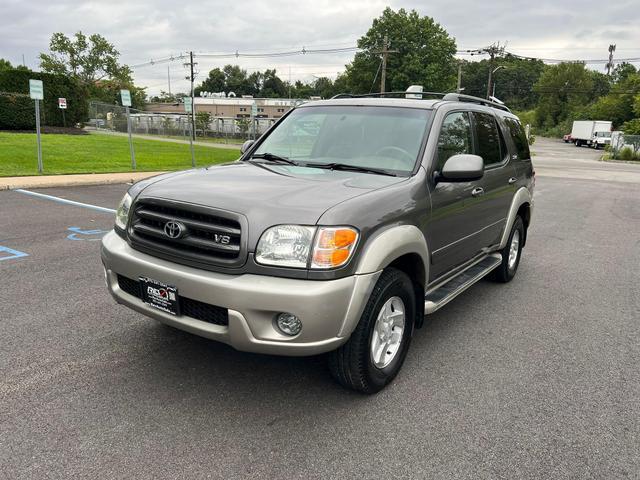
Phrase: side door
pixel 498 183
pixel 452 230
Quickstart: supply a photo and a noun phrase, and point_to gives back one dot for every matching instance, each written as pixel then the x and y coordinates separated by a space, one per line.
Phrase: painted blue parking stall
pixel 65 201
pixel 7 253
pixel 85 235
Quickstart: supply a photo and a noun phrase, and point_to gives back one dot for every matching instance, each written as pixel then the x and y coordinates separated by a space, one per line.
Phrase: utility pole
pixel 459 87
pixel 169 79
pixel 385 52
pixel 493 51
pixel 191 78
pixel 609 66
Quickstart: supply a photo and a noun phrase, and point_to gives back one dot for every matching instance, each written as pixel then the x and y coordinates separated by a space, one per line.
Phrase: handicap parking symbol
pixel 85 235
pixel 7 253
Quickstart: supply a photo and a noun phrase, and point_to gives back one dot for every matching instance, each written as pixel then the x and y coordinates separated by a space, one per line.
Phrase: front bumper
pixel 329 309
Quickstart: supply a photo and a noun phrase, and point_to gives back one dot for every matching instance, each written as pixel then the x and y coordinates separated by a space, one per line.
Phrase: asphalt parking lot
pixel 539 378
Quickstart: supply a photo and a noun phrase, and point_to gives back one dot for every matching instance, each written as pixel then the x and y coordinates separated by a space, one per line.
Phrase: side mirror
pixel 462 168
pixel 245 146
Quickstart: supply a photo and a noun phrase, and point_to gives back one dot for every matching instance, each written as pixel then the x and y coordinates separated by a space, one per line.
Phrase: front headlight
pixel 122 214
pixel 290 246
pixel 285 246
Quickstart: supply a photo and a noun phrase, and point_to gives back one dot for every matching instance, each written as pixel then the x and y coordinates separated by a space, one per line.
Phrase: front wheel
pixel 374 353
pixel 510 254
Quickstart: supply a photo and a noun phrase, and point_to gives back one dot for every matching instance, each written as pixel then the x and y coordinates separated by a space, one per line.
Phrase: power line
pixel 238 54
pixel 325 51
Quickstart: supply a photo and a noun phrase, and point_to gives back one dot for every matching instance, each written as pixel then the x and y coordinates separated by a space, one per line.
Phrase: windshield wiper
pixel 272 157
pixel 351 168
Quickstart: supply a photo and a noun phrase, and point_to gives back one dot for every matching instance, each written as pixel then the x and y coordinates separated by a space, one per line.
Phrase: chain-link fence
pixel 625 147
pixel 112 118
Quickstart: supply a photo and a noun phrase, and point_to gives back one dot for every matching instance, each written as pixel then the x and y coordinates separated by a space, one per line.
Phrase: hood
pixel 267 194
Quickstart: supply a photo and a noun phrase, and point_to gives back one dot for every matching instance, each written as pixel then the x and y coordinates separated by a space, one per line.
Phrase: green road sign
pixel 187 104
pixel 125 95
pixel 36 90
pixel 254 109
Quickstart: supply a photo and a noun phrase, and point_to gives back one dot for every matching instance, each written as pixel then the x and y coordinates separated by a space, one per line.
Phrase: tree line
pixel 421 52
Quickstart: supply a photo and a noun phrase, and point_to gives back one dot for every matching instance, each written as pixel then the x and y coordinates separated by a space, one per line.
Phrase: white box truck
pixel 594 133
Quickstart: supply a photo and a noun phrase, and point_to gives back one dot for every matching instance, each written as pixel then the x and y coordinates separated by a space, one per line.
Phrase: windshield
pixel 386 138
pixel 603 134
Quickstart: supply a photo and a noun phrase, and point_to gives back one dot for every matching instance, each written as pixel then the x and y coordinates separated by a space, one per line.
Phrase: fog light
pixel 289 324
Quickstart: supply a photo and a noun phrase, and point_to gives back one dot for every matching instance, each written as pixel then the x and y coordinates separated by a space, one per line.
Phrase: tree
pixel 165 97
pixel 203 120
pixel 632 127
pixel 424 54
pixel 236 80
pixel 513 83
pixel 214 83
pixel 563 88
pixel 621 105
pixel 622 71
pixel 86 59
pixel 108 91
pixel 272 86
pixel 5 64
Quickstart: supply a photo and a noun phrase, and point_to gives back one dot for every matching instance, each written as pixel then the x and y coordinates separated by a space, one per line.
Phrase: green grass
pixel 229 141
pixel 99 154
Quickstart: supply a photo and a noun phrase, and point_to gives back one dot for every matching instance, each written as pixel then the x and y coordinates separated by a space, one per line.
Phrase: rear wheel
pixel 374 353
pixel 510 254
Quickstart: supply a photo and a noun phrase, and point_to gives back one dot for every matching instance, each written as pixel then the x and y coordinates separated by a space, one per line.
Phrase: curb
pixel 626 162
pixel 12 183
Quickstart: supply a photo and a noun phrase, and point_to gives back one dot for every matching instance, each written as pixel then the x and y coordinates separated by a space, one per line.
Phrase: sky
pixel 143 30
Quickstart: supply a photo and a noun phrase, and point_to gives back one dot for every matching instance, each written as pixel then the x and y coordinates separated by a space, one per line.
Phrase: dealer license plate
pixel 159 295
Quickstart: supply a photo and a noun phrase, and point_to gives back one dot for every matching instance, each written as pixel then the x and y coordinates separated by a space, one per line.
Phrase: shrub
pixel 626 153
pixel 17 112
pixel 14 113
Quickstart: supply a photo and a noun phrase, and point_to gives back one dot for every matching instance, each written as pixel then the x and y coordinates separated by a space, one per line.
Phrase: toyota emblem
pixel 173 229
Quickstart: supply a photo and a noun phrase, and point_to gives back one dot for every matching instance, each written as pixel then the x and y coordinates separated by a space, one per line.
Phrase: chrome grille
pixel 205 235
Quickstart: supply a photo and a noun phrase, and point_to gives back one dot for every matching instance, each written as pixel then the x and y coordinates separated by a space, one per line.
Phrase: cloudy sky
pixel 145 29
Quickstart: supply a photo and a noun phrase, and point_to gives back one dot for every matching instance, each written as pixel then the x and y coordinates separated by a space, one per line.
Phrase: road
pixel 555 158
pixel 539 378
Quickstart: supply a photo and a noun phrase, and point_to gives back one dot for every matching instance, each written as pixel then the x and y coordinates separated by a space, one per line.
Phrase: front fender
pixel 390 244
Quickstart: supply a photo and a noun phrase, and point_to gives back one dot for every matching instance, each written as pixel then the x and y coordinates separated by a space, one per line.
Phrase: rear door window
pixel 491 146
pixel 519 138
pixel 455 137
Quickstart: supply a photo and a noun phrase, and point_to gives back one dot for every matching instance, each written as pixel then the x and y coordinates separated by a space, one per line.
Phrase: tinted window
pixel 488 138
pixel 519 138
pixel 455 137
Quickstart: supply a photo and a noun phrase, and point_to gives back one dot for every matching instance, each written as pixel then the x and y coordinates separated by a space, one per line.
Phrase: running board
pixel 442 294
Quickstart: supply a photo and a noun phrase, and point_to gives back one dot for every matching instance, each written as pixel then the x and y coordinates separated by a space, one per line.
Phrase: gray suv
pixel 336 232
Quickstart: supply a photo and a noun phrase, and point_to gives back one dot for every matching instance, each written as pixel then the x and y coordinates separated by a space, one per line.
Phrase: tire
pixel 507 269
pixel 353 364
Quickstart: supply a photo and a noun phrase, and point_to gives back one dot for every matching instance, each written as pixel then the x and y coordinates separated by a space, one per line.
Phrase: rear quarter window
pixel 519 138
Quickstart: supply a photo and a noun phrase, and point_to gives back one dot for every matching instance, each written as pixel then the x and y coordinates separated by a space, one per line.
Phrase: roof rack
pixel 451 97
pixel 387 94
pixel 458 97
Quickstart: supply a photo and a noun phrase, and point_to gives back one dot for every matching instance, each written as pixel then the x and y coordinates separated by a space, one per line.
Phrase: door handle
pixel 512 180
pixel 476 192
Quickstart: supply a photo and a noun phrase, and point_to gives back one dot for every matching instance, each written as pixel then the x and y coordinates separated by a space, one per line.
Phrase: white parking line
pixel 65 201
